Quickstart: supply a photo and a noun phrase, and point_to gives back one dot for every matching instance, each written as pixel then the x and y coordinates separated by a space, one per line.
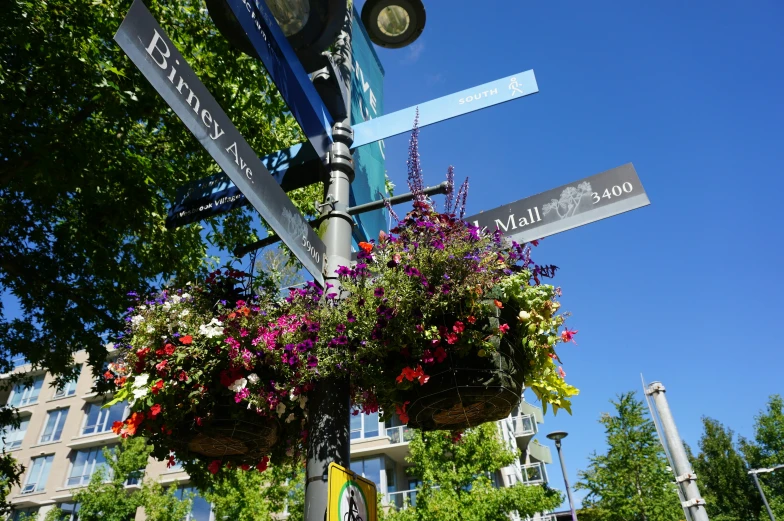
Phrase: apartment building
pixel 63 431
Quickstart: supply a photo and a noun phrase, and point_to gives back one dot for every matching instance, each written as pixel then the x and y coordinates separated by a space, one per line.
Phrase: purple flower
pixel 343 271
pixel 314 327
pixel 350 317
pixel 445 289
pixel 361 302
pixel 379 292
pixel 312 361
pixel 331 296
pixel 340 328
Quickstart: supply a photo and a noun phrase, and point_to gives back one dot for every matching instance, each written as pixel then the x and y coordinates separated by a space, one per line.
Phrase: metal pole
pixel 329 402
pixel 762 494
pixel 684 473
pixel 566 480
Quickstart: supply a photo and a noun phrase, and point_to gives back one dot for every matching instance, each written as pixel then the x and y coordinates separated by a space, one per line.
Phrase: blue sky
pixel 687 290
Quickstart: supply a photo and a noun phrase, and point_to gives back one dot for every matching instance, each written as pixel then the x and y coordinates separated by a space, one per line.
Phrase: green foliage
pixel 456 482
pixel 767 450
pixel 630 481
pixel 256 496
pixel 162 504
pixel 728 490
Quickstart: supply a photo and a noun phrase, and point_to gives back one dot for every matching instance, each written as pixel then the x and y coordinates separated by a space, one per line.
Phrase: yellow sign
pixel 351 497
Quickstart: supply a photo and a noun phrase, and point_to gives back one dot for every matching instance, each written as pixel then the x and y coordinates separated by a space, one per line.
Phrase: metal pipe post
pixel 566 480
pixel 683 470
pixel 762 495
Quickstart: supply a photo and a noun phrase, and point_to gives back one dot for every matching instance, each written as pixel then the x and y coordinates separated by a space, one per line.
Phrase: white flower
pixel 302 401
pixel 253 378
pixel 238 384
pixel 175 299
pixel 166 306
pixel 185 312
pixel 290 418
pixel 140 381
pixel 151 329
pixel 110 345
pixel 185 296
pixel 138 393
pixel 142 307
pixel 136 320
pixel 280 409
pixel 212 329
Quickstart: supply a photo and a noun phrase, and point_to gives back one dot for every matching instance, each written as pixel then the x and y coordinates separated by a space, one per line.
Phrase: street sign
pixel 587 200
pixel 286 71
pixel 350 497
pixel 446 107
pixel 292 168
pixel 148 46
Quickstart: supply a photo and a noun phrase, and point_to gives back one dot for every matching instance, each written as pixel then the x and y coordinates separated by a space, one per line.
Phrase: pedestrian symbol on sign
pixel 514 86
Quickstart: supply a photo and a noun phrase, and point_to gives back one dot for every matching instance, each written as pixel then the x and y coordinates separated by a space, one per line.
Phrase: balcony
pixel 534 473
pixel 400 434
pixel 539 452
pixel 526 408
pixel 401 500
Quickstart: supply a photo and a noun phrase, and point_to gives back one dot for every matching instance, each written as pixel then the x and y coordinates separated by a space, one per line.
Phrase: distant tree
pixel 106 498
pixel 278 266
pixel 767 450
pixel 457 484
pixel 630 482
pixel 252 495
pixel 722 476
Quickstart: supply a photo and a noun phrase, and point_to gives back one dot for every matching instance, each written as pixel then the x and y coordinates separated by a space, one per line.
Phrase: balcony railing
pixel 534 473
pixel 400 434
pixel 403 499
pixel 524 425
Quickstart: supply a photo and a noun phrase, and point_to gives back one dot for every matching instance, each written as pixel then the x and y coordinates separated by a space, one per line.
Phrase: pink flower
pixel 567 335
pixel 504 328
pixel 459 327
pixel 561 372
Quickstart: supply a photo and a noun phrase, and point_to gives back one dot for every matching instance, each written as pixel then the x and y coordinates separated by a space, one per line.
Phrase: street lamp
pixel 310 26
pixel 393 23
pixel 754 473
pixel 557 436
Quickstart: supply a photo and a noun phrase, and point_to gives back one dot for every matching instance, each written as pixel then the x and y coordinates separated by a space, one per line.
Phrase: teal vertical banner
pixel 367 102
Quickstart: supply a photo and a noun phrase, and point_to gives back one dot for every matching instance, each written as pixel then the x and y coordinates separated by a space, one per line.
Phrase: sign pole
pixel 329 403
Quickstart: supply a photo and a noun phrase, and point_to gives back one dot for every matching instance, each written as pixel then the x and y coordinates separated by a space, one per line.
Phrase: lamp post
pixel 393 23
pixel 557 436
pixel 754 473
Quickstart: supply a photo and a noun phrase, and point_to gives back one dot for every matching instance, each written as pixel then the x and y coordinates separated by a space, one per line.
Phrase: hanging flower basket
pixel 468 390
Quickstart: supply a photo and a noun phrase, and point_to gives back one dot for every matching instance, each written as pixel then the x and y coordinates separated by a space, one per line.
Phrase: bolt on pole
pixel 686 478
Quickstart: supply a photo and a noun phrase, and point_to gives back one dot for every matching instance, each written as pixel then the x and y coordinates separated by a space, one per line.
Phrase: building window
pixel 364 425
pixel 39 472
pixel 85 464
pixel 22 395
pixel 69 388
pixel 99 419
pixel 53 428
pixel 134 478
pixel 12 439
pixel 69 511
pixel 24 514
pixel 201 510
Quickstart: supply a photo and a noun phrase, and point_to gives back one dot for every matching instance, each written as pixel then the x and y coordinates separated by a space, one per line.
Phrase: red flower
pixel 132 424
pixel 157 387
pixel 401 412
pixel 182 376
pixel 187 339
pixel 504 328
pixel 141 353
pixel 108 375
pixel 471 319
pixel 171 462
pixel 498 304
pixel 159 352
pixel 567 335
pixel 117 427
pixel 262 466
pixel 155 410
pixel 245 466
pixel 366 247
pixel 199 421
pixel 440 354
pixel 451 338
pixel 459 327
pixel 214 466
pixel 169 349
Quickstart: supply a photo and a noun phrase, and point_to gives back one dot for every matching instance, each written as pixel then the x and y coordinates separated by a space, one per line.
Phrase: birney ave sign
pixel 587 200
pixel 148 46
